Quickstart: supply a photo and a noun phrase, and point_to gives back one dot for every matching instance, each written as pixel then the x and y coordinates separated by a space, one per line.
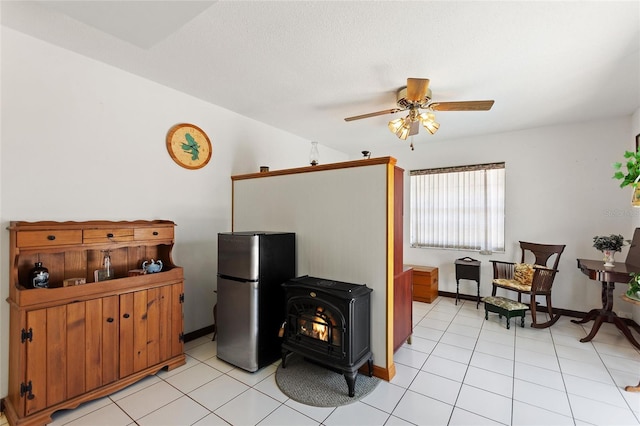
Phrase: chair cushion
pixel 523 273
pixel 504 303
pixel 512 284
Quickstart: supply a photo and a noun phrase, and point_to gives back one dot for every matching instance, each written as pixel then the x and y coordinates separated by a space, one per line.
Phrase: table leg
pixel 590 315
pixel 633 388
pixel 457 290
pixel 478 299
pixel 607 303
pixel 606 314
pixel 596 326
pixel 625 330
pixel 599 314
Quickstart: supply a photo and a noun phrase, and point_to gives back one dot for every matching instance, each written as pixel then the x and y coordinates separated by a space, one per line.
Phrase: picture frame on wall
pixel 637 141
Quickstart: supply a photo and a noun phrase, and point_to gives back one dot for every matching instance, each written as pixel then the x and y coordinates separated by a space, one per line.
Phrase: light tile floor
pixel 459 370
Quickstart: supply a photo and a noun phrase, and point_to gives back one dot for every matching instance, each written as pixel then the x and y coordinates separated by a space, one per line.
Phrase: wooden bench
pixel 503 306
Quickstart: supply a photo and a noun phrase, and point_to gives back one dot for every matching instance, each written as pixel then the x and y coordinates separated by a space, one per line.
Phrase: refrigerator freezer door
pixel 238 256
pixel 237 323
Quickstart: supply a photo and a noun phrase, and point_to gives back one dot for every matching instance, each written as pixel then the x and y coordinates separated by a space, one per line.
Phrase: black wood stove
pixel 329 322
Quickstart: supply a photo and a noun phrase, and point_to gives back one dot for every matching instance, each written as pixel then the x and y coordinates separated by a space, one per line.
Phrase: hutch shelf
pixel 69 345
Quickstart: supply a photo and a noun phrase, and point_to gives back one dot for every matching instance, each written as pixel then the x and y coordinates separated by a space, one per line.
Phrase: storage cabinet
pixel 402 277
pixel 69 345
pixel 425 283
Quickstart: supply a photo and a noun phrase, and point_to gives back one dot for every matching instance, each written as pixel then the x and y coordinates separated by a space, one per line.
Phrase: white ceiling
pixel 303 66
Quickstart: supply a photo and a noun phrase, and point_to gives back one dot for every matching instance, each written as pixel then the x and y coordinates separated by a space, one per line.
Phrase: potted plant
pixel 609 246
pixel 634 286
pixel 632 174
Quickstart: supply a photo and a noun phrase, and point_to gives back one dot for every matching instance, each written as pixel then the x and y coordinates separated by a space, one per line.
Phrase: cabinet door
pixel 150 327
pixel 36 362
pixel 402 309
pixel 126 334
pixel 177 319
pixel 74 349
pixel 101 342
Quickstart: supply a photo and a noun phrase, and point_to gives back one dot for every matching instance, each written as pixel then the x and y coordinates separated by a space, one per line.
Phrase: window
pixel 458 207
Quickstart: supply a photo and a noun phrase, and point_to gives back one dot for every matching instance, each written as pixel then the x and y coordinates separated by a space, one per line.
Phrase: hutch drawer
pixel 106 235
pixel 25 239
pixel 159 233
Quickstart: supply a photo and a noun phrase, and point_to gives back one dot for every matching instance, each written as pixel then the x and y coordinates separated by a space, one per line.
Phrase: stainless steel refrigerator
pixel 252 266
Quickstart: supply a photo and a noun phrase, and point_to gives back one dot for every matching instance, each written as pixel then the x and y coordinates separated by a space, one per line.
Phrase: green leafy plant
pixel 632 165
pixel 612 242
pixel 634 285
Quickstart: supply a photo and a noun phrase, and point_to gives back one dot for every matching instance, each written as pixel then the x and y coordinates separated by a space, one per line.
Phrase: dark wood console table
pixel 608 276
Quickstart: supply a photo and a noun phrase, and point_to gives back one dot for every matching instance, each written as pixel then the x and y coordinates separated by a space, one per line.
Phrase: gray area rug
pixel 312 384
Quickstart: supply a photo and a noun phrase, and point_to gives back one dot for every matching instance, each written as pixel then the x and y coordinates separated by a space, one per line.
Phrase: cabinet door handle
pixel 109 235
pixel 125 316
pixel 109 319
pixel 155 232
pixel 51 237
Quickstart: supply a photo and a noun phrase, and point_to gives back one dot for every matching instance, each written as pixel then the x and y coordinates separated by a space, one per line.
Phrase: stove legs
pixel 351 381
pixel 350 376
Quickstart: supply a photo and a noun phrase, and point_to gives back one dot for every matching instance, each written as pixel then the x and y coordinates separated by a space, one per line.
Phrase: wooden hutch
pixel 69 345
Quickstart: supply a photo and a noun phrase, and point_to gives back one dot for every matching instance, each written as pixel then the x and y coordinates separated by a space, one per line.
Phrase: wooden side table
pixel 467 269
pixel 425 283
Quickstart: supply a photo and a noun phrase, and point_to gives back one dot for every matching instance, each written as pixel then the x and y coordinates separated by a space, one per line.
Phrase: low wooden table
pixel 503 306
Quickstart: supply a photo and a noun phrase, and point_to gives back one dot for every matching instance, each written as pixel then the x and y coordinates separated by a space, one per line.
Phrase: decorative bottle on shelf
pixel 314 155
pixel 39 276
pixel 108 269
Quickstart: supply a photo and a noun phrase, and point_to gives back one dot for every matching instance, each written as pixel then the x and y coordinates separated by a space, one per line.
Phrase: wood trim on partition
pixel 319 168
pixel 390 366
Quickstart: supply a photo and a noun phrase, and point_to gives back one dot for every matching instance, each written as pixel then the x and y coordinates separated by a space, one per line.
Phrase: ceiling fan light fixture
pixel 409 128
pixel 396 125
pixel 428 120
pixel 431 126
pixel 403 133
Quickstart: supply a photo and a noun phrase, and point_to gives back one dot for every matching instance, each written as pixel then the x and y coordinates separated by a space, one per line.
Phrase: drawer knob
pixel 125 316
pixel 51 237
pixel 109 235
pixel 109 319
pixel 155 232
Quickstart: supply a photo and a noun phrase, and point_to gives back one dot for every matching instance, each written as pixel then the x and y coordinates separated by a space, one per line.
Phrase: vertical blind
pixel 458 207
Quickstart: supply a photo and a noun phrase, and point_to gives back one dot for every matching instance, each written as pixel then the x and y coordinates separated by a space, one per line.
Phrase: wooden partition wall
pixel 343 217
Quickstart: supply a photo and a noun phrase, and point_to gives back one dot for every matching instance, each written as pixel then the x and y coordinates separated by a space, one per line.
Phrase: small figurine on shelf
pixel 152 267
pixel 39 276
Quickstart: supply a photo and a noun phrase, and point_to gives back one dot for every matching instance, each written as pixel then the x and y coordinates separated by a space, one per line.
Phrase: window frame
pixel 462 200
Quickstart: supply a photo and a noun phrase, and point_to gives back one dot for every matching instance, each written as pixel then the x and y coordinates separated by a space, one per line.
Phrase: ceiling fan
pixel 414 97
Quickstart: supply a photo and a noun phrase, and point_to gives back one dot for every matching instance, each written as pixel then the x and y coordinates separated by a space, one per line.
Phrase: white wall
pixel 559 191
pixel 340 220
pixel 82 140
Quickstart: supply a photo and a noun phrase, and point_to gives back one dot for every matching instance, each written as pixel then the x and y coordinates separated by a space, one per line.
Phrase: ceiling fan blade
pixel 417 89
pixel 461 106
pixel 373 114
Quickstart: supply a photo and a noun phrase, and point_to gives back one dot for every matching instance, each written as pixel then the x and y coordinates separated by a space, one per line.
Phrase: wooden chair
pixel 534 279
